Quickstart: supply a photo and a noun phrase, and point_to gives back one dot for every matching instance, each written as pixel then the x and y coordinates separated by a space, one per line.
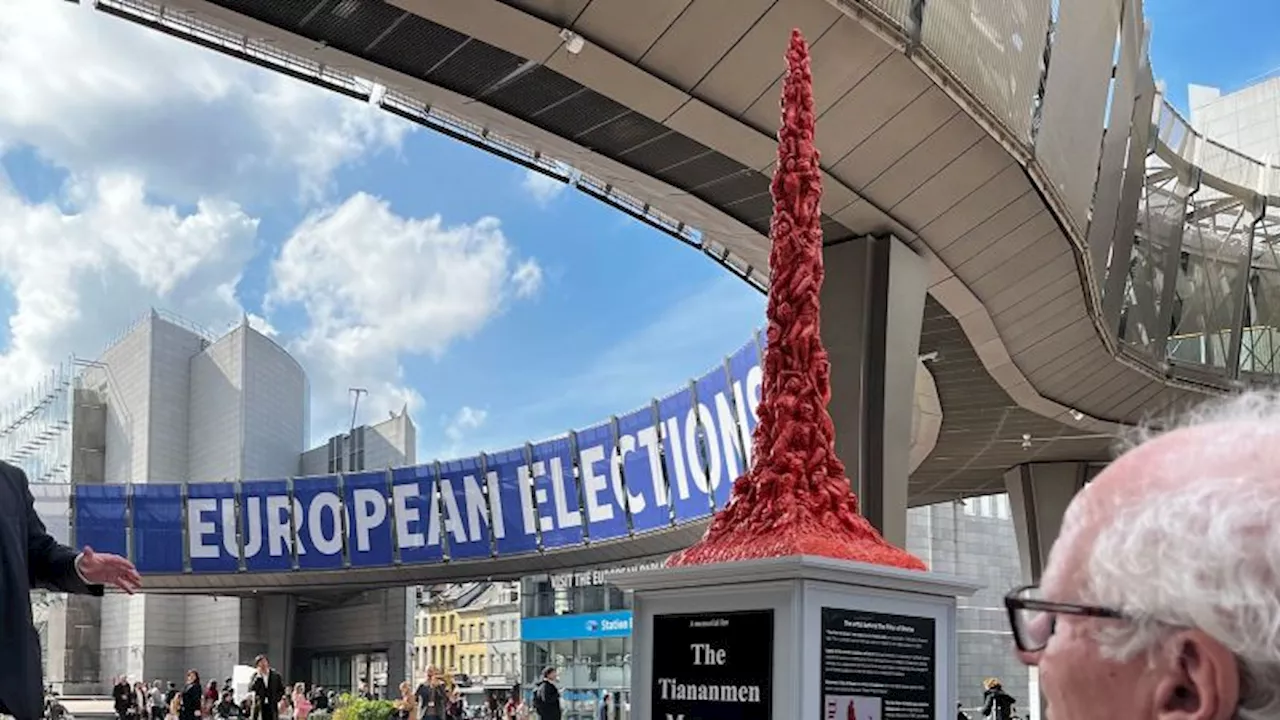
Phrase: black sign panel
pixel 877 666
pixel 713 666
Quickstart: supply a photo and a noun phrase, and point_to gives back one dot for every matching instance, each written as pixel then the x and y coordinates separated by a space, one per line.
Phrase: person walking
pixel 155 701
pixel 191 701
pixel 432 696
pixel 515 708
pixel 119 697
pixel 267 690
pixel 407 705
pixel 30 556
pixel 996 703
pixel 301 705
pixel 546 696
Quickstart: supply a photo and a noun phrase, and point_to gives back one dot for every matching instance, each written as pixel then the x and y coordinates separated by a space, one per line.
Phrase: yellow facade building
pixel 473 643
pixel 449 631
pixel 442 634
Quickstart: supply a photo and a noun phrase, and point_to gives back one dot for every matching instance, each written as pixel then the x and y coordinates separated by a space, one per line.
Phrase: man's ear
pixel 1200 679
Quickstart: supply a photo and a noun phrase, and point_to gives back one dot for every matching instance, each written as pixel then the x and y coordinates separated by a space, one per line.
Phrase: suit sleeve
pixel 51 564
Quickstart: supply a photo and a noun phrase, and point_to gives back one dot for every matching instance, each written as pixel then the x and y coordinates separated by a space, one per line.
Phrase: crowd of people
pixel 437 698
pixel 267 699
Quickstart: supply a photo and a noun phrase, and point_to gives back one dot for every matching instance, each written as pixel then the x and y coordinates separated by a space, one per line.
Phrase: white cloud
pixel 93 93
pixel 81 275
pixel 542 188
pixel 459 435
pixel 376 287
pixel 527 278
pixel 468 418
pixel 262 325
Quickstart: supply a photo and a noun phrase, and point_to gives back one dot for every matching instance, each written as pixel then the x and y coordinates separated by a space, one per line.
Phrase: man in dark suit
pixel 267 688
pixel 30 556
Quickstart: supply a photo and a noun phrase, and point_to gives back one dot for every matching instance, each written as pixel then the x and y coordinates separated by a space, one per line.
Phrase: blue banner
pixel 211 527
pixel 685 476
pixel 157 528
pixel 747 377
pixel 266 514
pixel 416 502
pixel 515 528
pixel 555 492
pixel 718 432
pixel 666 463
pixel 466 509
pixel 317 522
pixel 102 517
pixel 640 455
pixel 575 627
pixel 368 517
pixel 603 499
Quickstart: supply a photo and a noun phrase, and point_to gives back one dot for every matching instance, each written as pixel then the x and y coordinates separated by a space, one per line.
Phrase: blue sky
pixel 531 309
pixel 1225 44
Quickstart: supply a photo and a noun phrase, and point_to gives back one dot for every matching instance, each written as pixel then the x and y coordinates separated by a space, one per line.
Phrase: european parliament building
pixel 168 402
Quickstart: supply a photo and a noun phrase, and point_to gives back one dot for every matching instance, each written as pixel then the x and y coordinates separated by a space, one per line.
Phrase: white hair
pixel 1205 555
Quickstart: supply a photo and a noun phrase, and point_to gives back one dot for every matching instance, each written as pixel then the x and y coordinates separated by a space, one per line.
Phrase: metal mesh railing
pixel 897 12
pixel 995 48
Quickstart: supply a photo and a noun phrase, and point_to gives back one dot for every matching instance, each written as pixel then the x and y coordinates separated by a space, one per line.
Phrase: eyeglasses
pixel 1033 620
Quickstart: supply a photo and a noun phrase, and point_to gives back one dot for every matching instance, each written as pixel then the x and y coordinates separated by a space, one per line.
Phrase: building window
pixel 335 454
pixel 355 451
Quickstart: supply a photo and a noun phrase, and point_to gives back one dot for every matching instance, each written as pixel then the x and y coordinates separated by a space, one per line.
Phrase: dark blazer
pixel 192 697
pixel 29 557
pixel 267 695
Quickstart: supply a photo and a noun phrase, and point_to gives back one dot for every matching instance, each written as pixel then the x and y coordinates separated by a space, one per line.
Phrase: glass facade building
pixel 1193 291
pixel 580 625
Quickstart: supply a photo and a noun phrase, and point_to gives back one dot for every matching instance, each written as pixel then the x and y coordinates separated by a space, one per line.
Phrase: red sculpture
pixel 795 499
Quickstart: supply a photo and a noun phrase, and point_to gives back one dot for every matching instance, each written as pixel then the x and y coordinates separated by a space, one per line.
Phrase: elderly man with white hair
pixel 1161 596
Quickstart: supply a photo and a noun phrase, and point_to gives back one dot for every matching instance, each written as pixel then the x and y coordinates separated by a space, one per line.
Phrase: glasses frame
pixel 1013 604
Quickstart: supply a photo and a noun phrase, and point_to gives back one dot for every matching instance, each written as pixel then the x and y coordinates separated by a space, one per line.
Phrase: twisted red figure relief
pixel 795 498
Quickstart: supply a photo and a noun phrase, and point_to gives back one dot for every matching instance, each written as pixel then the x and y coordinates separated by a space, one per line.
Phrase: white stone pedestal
pixel 797 638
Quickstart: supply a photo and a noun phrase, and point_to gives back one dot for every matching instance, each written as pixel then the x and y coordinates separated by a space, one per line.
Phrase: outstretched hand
pixel 108 569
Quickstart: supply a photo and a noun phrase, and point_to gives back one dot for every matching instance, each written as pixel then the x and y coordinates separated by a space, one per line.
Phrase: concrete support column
pixel 872 310
pixel 1038 496
pixel 278 620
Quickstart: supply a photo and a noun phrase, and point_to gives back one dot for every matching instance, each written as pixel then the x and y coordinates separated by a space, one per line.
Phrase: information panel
pixel 713 666
pixel 877 666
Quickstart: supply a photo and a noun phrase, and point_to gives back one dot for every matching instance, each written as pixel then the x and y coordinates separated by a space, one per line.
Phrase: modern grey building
pixel 168 402
pixel 1246 120
pixel 975 539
